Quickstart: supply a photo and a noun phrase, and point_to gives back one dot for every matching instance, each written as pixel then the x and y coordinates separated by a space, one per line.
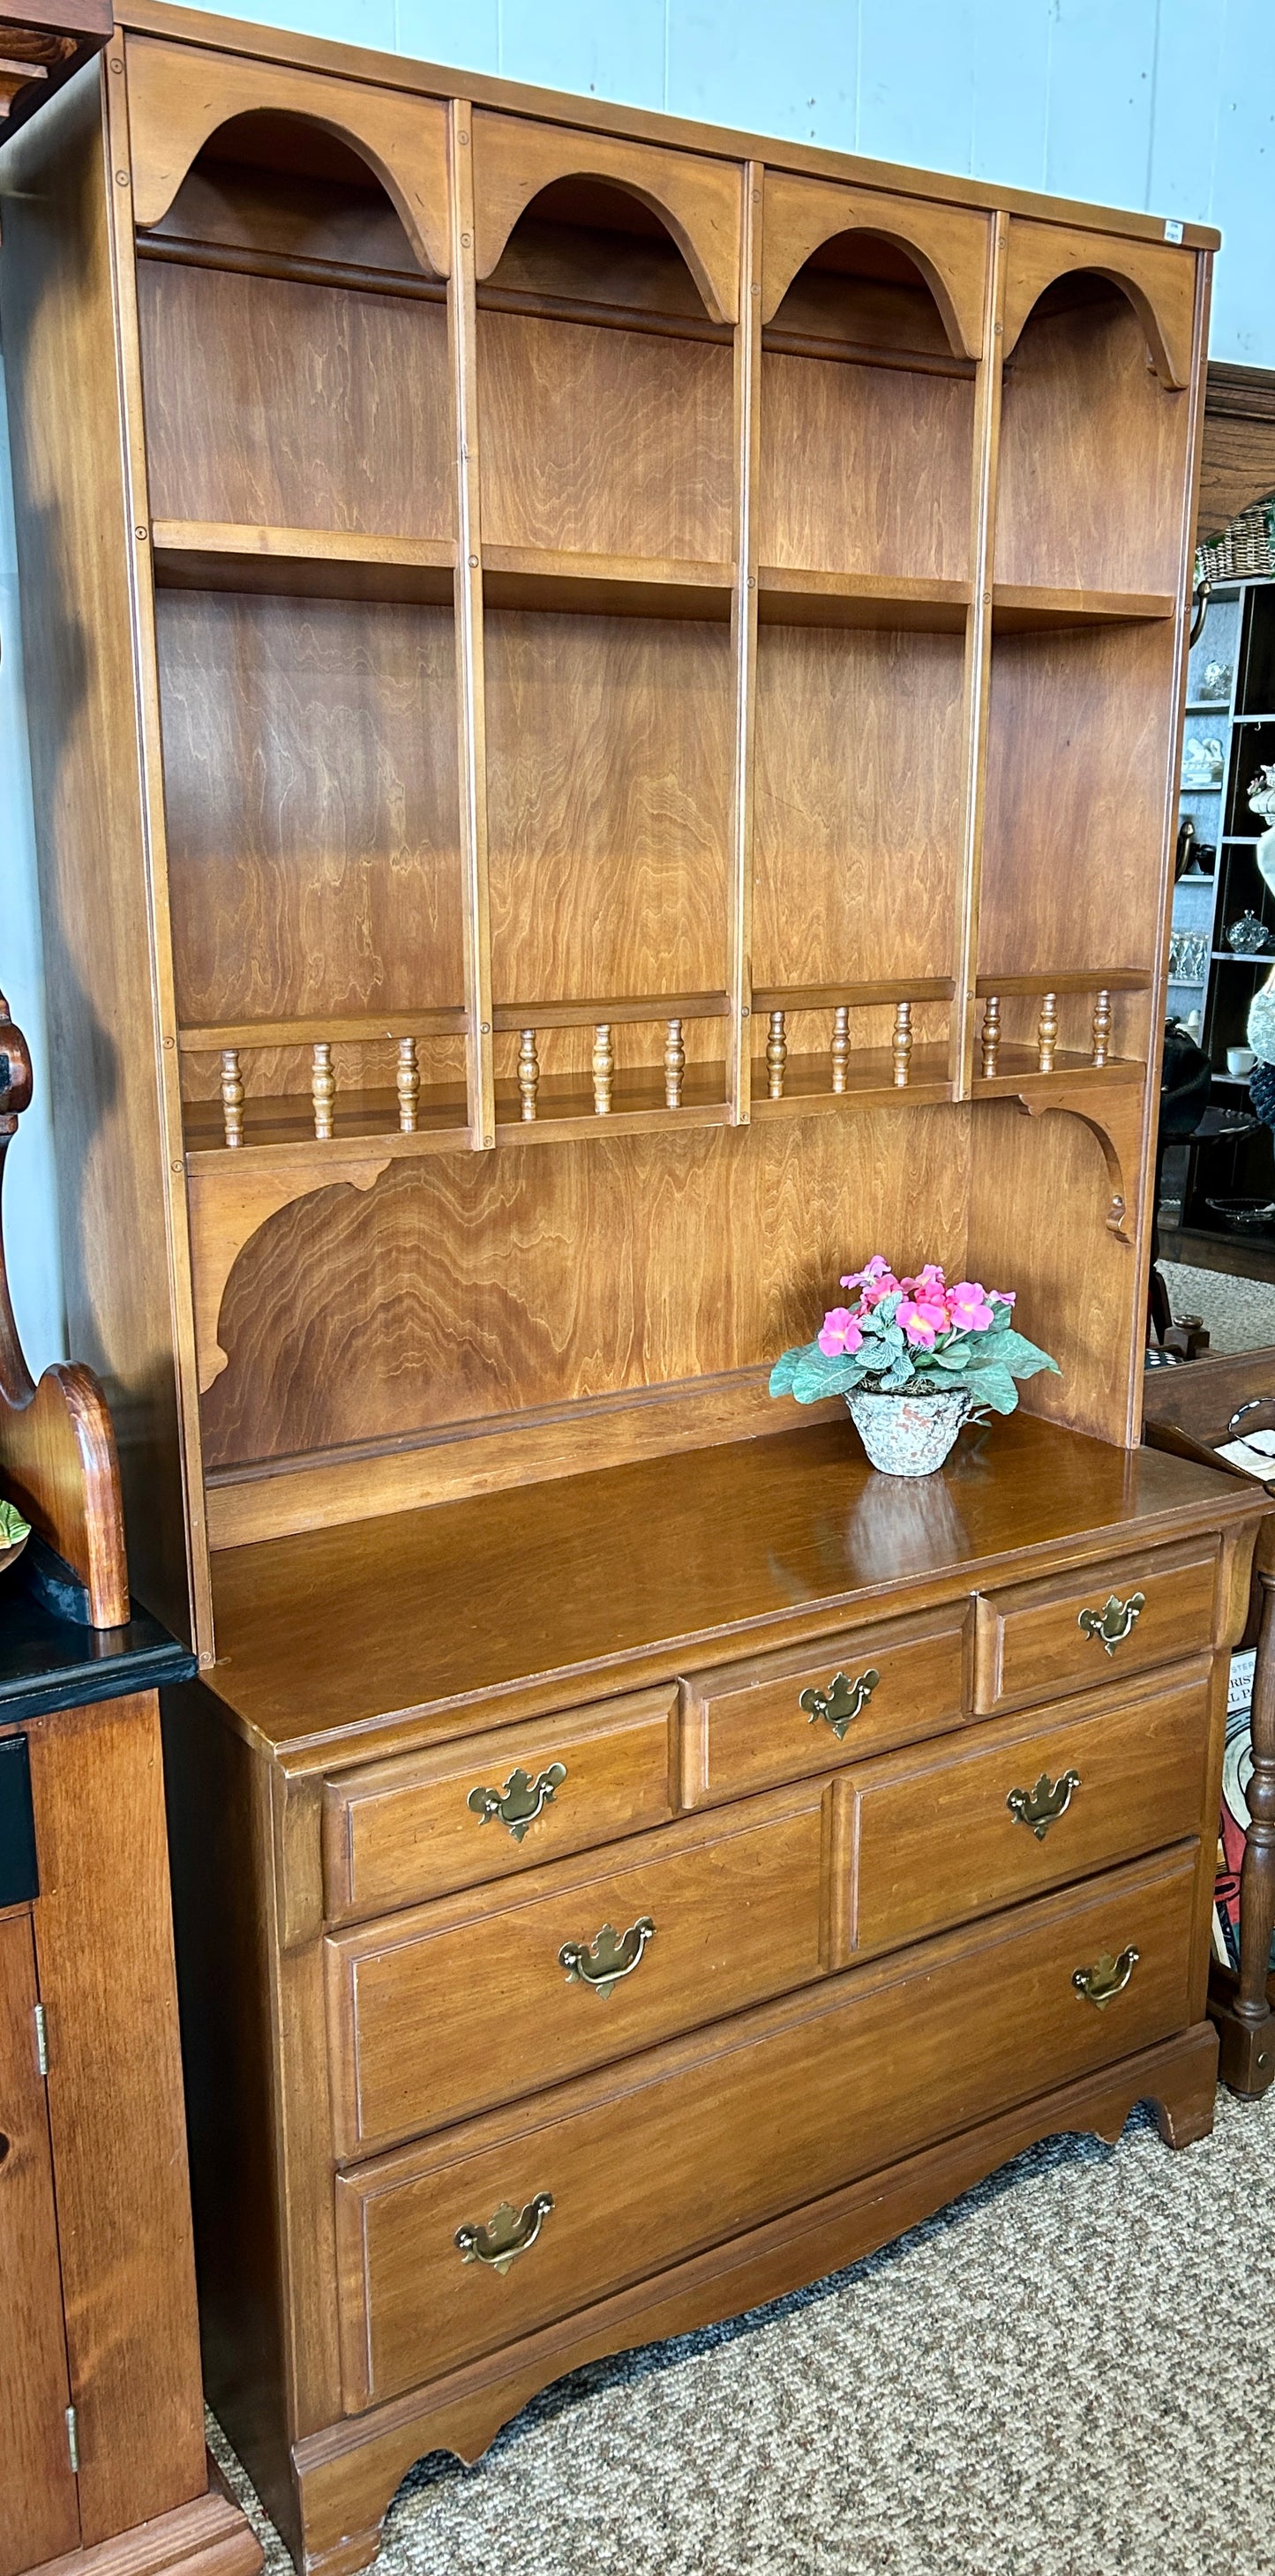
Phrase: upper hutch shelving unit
pixel 646 745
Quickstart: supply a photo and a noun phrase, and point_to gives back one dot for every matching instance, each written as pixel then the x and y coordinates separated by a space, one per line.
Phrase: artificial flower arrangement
pixel 955 1348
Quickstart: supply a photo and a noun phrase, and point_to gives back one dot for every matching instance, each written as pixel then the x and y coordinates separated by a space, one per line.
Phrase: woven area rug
pixel 1239 1313
pixel 1070 2372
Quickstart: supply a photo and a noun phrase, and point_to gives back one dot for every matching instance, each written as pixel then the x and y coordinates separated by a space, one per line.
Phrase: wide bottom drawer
pixel 613 2176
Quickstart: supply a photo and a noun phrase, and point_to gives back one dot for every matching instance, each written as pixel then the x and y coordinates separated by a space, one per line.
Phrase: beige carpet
pixel 1239 1313
pixel 1071 2372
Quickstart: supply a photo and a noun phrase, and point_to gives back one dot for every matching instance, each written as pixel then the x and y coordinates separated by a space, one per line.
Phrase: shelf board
pixel 644 1009
pixel 789 596
pixel 1019 609
pixel 303 563
pixel 277 1128
pixel 605 585
pixel 828 997
pixel 1080 979
pixel 1018 1070
pixel 870 1083
pixel 363 1028
pixel 1212 707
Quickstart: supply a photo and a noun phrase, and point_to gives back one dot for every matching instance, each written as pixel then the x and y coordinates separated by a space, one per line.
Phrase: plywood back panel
pixel 456 1291
pixel 1093 450
pixel 609 774
pixel 857 811
pixel 865 468
pixel 312 803
pixel 1078 1287
pixel 288 404
pixel 604 441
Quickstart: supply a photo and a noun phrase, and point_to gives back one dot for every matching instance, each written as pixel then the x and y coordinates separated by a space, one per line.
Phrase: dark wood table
pixel 1192 1409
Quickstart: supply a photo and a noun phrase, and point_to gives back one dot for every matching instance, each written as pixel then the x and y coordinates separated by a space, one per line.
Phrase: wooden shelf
pixel 1019 610
pixel 789 596
pixel 1062 980
pixel 361 1028
pixel 870 1083
pixel 305 563
pixel 605 585
pixel 827 997
pixel 281 1126
pixel 1018 1071
pixel 643 1009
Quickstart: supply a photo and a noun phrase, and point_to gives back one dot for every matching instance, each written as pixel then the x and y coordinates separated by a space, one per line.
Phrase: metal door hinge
pixel 73 2441
pixel 41 2039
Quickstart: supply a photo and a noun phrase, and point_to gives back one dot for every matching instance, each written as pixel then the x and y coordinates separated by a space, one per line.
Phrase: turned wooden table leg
pixel 1257 1878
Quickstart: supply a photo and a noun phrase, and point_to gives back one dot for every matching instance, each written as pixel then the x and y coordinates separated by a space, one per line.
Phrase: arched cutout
pixel 179 97
pixel 698 202
pixel 947 246
pixel 1158 281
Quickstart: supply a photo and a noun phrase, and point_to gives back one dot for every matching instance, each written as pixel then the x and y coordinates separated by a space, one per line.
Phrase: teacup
pixel 1239 1061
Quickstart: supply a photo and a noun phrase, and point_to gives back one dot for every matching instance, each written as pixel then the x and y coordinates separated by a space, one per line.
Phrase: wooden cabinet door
pixel 39 2514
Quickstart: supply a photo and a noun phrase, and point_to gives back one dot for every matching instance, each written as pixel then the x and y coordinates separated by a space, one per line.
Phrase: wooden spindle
pixel 674 1065
pixel 841 1046
pixel 528 1074
pixel 603 1070
pixel 1101 1029
pixel 1047 1033
pixel 901 1048
pixel 409 1086
pixel 776 1056
pixel 231 1096
pixel 991 1034
pixel 322 1090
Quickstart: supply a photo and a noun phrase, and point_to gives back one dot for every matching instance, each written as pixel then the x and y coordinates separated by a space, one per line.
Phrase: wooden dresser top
pixel 556 1591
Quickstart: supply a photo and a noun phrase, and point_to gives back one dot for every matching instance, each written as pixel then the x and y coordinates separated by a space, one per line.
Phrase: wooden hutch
pixel 605 703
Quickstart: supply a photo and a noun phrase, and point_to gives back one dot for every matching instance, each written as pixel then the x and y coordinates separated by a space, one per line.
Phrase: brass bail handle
pixel 508 2233
pixel 1039 1808
pixel 521 1800
pixel 841 1703
pixel 1112 1624
pixel 602 1962
pixel 1106 1979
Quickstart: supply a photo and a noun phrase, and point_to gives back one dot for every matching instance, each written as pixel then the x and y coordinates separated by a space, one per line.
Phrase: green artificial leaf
pixel 1002 1319
pixel 954 1355
pixel 994 1386
pixel 12 1525
pixel 897 1377
pixel 784 1371
pixel 1013 1351
pixel 817 1377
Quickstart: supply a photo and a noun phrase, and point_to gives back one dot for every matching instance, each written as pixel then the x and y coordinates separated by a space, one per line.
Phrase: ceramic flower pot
pixel 908 1435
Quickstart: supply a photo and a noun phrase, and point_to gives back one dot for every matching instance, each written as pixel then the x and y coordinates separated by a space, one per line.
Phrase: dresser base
pixel 347 2475
pixel 208 2537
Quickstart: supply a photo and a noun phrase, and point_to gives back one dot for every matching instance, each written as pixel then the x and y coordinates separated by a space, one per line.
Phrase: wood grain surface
pixel 864 468
pixel 39 2510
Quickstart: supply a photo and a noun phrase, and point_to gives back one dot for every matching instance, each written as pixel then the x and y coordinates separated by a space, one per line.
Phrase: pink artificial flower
pixel 967 1306
pixel 1003 1296
pixel 876 1281
pixel 839 1333
pixel 921 1319
pixel 928 1284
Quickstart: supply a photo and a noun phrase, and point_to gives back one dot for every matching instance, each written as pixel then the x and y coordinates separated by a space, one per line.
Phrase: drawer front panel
pixel 403 1830
pixel 438 2015
pixel 784 1717
pixel 702 2140
pixel 935 1840
pixel 1071 1631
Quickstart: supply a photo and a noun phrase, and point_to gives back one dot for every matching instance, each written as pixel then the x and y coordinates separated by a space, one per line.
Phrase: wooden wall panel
pixel 857 814
pixel 456 1291
pixel 1076 1284
pixel 865 469
pixel 296 406
pixel 606 442
pixel 1092 451
pixel 313 816
pixel 609 800
pixel 1075 798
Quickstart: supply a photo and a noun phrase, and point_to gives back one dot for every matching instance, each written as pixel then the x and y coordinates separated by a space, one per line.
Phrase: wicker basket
pixel 1243 550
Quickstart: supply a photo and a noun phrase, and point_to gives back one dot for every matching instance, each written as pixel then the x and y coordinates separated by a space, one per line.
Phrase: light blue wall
pixel 1167 105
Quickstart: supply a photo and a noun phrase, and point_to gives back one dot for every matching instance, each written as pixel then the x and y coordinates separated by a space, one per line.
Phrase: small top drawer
pixel 425 1823
pixel 1069 1631
pixel 783 1716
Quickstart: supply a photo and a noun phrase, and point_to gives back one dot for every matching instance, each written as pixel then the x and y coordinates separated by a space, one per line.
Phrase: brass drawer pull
pixel 841 1703
pixel 507 2233
pixel 1111 1624
pixel 1106 1979
pixel 1042 1806
pixel 602 1963
pixel 519 1803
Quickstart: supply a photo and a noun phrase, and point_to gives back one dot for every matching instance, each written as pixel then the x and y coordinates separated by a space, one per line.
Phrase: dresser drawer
pixel 469 1811
pixel 935 1839
pixel 1067 1632
pixel 621 2173
pixel 438 2014
pixel 786 1716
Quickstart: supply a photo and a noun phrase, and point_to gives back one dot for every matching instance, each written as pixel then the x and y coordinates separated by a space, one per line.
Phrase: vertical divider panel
pixel 470 688
pixel 150 750
pixel 978 649
pixel 1143 1211
pixel 747 446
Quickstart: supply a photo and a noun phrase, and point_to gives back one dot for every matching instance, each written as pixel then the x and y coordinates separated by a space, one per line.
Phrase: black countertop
pixel 47 1662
